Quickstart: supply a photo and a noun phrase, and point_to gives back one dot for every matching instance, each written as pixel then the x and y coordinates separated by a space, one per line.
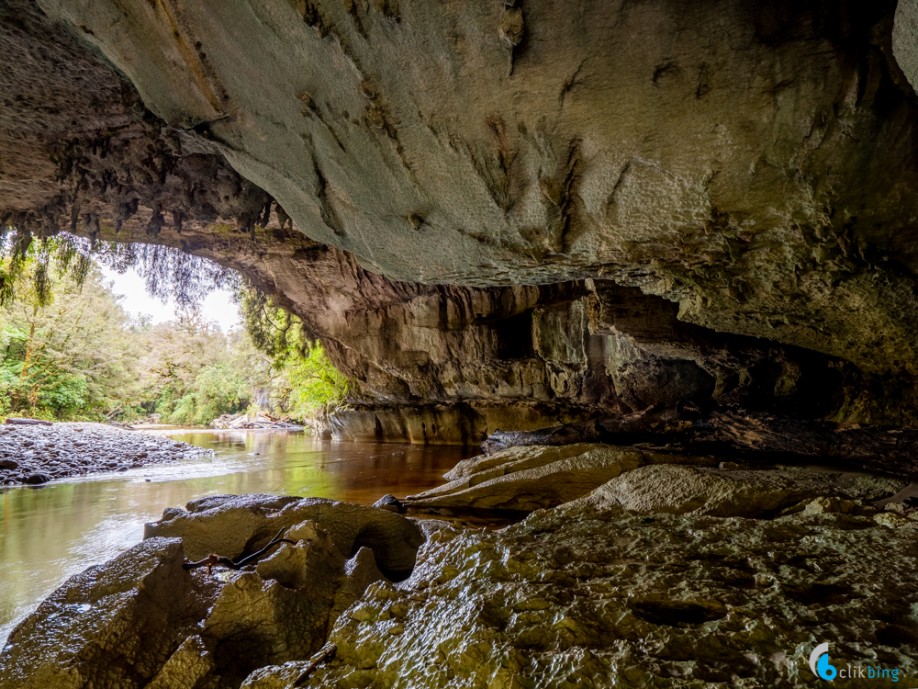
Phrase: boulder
pixel 734 492
pixel 229 524
pixel 150 618
pixel 37 478
pixel 113 625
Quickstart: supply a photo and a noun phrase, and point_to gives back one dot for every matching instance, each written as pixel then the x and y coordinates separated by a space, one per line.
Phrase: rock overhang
pixel 751 164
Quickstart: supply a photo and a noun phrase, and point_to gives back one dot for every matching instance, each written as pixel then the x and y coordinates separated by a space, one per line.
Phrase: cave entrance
pixel 136 332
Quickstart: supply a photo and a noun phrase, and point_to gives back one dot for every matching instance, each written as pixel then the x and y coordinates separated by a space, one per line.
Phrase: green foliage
pixel 69 351
pixel 33 263
pixel 306 382
pixel 63 351
pixel 216 390
pixel 313 382
pixel 167 272
pixel 188 374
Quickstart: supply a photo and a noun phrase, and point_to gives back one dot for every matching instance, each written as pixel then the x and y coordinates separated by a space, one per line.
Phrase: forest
pixel 70 351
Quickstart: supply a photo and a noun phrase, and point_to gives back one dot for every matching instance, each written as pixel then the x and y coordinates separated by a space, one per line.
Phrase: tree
pixel 69 351
pixel 306 383
pixel 66 352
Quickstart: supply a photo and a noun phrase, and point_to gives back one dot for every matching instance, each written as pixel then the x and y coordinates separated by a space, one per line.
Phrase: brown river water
pixel 50 533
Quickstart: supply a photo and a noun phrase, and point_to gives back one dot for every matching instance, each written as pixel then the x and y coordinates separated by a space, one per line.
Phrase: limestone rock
pixel 668 488
pixel 276 676
pixel 113 625
pixel 144 620
pixel 228 524
pixel 484 467
pixel 190 663
pixel 361 571
pixel 751 167
pixel 295 566
pixel 904 39
pixel 256 622
pixel 571 597
pixel 569 243
pixel 528 478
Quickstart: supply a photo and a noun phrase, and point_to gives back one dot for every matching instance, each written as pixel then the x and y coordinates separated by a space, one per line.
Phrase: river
pixel 50 533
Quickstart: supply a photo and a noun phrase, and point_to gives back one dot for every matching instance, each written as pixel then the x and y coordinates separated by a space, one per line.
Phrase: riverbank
pixel 729 579
pixel 36 454
pixel 68 525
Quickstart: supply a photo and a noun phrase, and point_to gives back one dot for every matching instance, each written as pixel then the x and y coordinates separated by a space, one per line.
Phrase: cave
pixel 688 229
pixel 739 272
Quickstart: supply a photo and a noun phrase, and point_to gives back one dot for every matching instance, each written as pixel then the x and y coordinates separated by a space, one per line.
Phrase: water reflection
pixel 51 533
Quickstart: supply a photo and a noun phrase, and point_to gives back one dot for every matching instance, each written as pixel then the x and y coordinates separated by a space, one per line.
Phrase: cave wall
pixel 634 204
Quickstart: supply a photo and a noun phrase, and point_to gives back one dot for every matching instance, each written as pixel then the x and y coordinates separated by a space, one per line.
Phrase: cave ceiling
pixel 752 167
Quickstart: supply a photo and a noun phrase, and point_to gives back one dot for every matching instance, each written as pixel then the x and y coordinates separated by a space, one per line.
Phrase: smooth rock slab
pixel 534 477
pixel 668 488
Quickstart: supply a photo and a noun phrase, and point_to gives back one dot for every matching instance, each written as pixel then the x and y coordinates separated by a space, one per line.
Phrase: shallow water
pixel 50 533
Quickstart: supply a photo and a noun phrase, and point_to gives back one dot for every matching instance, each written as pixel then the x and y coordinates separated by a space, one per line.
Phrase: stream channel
pixel 54 531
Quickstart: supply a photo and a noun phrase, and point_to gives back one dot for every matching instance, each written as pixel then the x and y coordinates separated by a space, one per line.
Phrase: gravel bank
pixel 36 454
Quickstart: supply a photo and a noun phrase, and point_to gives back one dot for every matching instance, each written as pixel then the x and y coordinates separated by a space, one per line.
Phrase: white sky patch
pixel 218 306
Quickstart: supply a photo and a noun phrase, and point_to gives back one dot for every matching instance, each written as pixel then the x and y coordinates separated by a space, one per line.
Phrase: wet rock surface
pixel 148 619
pixel 113 625
pixel 584 597
pixel 36 454
pixel 658 578
pixel 228 524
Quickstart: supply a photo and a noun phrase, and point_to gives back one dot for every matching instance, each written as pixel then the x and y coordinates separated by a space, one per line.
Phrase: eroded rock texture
pixel 724 155
pixel 145 620
pixel 523 479
pixel 621 204
pixel 594 595
pixel 669 575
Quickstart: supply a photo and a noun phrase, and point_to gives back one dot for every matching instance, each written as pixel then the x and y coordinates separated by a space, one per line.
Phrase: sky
pixel 218 306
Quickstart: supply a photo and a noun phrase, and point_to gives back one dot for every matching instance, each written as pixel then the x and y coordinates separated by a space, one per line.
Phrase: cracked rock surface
pixel 584 597
pixel 145 620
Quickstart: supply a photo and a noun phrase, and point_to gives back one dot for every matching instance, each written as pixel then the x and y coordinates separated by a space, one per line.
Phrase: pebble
pixel 36 479
pixel 62 450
